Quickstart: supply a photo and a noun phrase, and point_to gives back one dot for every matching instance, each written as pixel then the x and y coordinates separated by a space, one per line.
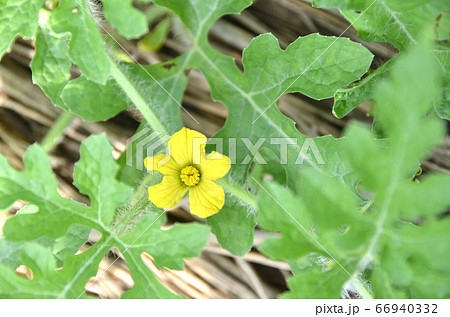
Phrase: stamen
pixel 190 176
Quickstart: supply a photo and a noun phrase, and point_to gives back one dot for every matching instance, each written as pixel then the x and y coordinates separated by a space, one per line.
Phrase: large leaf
pixel 314 65
pixel 399 257
pixel 94 176
pixel 92 101
pixel 62 247
pixel 253 95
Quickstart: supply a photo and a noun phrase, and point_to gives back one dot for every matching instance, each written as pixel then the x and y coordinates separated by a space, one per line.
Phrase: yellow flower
pixel 186 168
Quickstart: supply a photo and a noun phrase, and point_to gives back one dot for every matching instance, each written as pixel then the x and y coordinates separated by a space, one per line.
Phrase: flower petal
pixel 206 198
pixel 187 145
pixel 168 193
pixel 162 163
pixel 215 166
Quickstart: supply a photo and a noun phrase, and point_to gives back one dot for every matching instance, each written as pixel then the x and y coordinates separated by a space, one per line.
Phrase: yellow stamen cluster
pixel 190 176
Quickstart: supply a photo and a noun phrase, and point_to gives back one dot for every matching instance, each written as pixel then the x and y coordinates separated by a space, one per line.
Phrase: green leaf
pixel 10 255
pixel 38 186
pixel 61 248
pixel 86 47
pixel 314 65
pixel 168 248
pixel 94 176
pixel 156 38
pixel 406 22
pixel 248 95
pixel 126 19
pixel 48 282
pixel 92 101
pixel 51 64
pixel 307 227
pixel 411 137
pixel 395 21
pixel 428 255
pixel 434 187
pixel 316 284
pixel 17 18
pixel 200 15
pixel 282 71
pixel 146 285
pixel 61 219
pixel 348 98
pixel 71 242
pixel 223 226
pixel 385 243
pixel 161 86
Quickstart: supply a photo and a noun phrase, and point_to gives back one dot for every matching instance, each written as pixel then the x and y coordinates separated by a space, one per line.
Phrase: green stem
pixel 126 218
pixel 361 290
pixel 137 99
pixel 55 134
pixel 237 191
pixel 143 185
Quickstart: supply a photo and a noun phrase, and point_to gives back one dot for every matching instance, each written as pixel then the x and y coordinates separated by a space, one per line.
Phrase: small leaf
pixel 86 47
pixel 92 101
pixel 348 98
pixel 17 18
pixel 316 284
pixel 156 38
pixel 126 19
pixel 161 85
pixel 236 221
pixel 200 15
pixel 51 64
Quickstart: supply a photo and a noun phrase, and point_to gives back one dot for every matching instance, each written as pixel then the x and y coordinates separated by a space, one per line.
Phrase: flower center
pixel 190 175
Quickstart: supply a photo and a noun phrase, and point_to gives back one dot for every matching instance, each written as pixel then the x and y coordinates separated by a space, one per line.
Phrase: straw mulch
pixel 26 115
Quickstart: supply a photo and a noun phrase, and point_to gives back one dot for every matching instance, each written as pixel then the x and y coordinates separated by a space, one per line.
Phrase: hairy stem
pixel 126 218
pixel 137 99
pixel 236 190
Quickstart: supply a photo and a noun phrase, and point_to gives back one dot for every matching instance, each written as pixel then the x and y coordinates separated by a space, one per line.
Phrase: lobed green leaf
pixel 384 244
pixel 401 23
pixel 17 18
pixel 63 220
